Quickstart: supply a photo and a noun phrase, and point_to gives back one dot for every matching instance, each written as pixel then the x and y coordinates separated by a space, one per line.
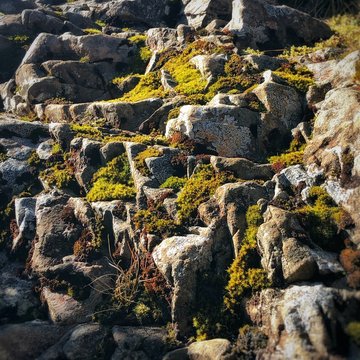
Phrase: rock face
pixel 215 126
pixel 201 13
pixel 302 313
pixel 274 26
pixel 155 170
pixel 335 147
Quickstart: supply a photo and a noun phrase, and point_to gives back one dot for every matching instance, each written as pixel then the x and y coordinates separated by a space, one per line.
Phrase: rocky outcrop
pixel 274 27
pixel 303 314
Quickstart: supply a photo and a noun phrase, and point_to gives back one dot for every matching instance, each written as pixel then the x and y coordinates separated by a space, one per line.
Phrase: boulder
pixel 26 222
pixel 139 342
pixel 274 27
pixel 242 168
pixel 306 321
pixel 283 249
pixel 334 149
pixel 38 21
pixel 179 258
pixel 210 66
pixel 215 349
pixel 16 6
pixel 28 340
pixel 160 39
pixel 339 73
pixel 227 130
pixel 11 54
pixel 200 14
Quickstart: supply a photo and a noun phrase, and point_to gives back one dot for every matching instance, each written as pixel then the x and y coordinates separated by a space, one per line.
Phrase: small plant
pixel 174 182
pixel 3 153
pixel 85 59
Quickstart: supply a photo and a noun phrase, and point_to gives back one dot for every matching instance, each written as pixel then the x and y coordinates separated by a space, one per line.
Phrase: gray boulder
pixel 274 27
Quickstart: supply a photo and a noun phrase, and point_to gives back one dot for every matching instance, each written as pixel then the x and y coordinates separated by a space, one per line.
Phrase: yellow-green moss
pixel 100 23
pixel 198 189
pixel 92 31
pixel 87 131
pixel 322 218
pixel 280 162
pixel 112 182
pixel 300 82
pixel 156 221
pixel 140 163
pixel 174 182
pixel 245 272
pixel 148 87
pixel 59 175
pixel 353 330
pixel 3 154
pixel 152 139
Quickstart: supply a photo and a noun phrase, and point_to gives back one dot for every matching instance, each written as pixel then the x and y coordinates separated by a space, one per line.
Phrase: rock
pixel 227 130
pixel 26 222
pixel 18 301
pixel 200 14
pixel 10 127
pixel 263 62
pixel 111 150
pixel 67 47
pixel 210 66
pixel 139 342
pixel 167 81
pixel 28 340
pixel 81 343
pixel 160 39
pixel 334 149
pixel 274 27
pixel 284 255
pixel 242 168
pixel 297 320
pixel 284 111
pixel 215 349
pixel 57 229
pixel 36 20
pixel 179 258
pixel 340 73
pixel 144 13
pixel 62 134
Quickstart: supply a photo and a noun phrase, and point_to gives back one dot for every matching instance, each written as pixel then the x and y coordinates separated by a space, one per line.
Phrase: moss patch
pixel 246 273
pixel 140 163
pixel 112 182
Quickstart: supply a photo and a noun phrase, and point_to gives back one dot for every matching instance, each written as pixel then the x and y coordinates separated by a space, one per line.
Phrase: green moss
pixel 322 218
pixel 301 83
pixel 138 39
pixel 100 23
pixel 245 272
pixel 152 139
pixel 198 189
pixel 353 330
pixel 84 59
pixel 112 182
pixel 92 31
pixel 86 131
pixel 155 220
pixel 56 149
pixel 280 162
pixel 34 159
pixel 148 87
pixel 140 163
pixel 174 113
pixel 3 154
pixel 234 84
pixel 22 39
pixel 59 175
pixel 174 182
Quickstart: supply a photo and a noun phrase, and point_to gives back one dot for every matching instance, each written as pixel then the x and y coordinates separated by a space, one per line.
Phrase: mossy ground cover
pixel 112 182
